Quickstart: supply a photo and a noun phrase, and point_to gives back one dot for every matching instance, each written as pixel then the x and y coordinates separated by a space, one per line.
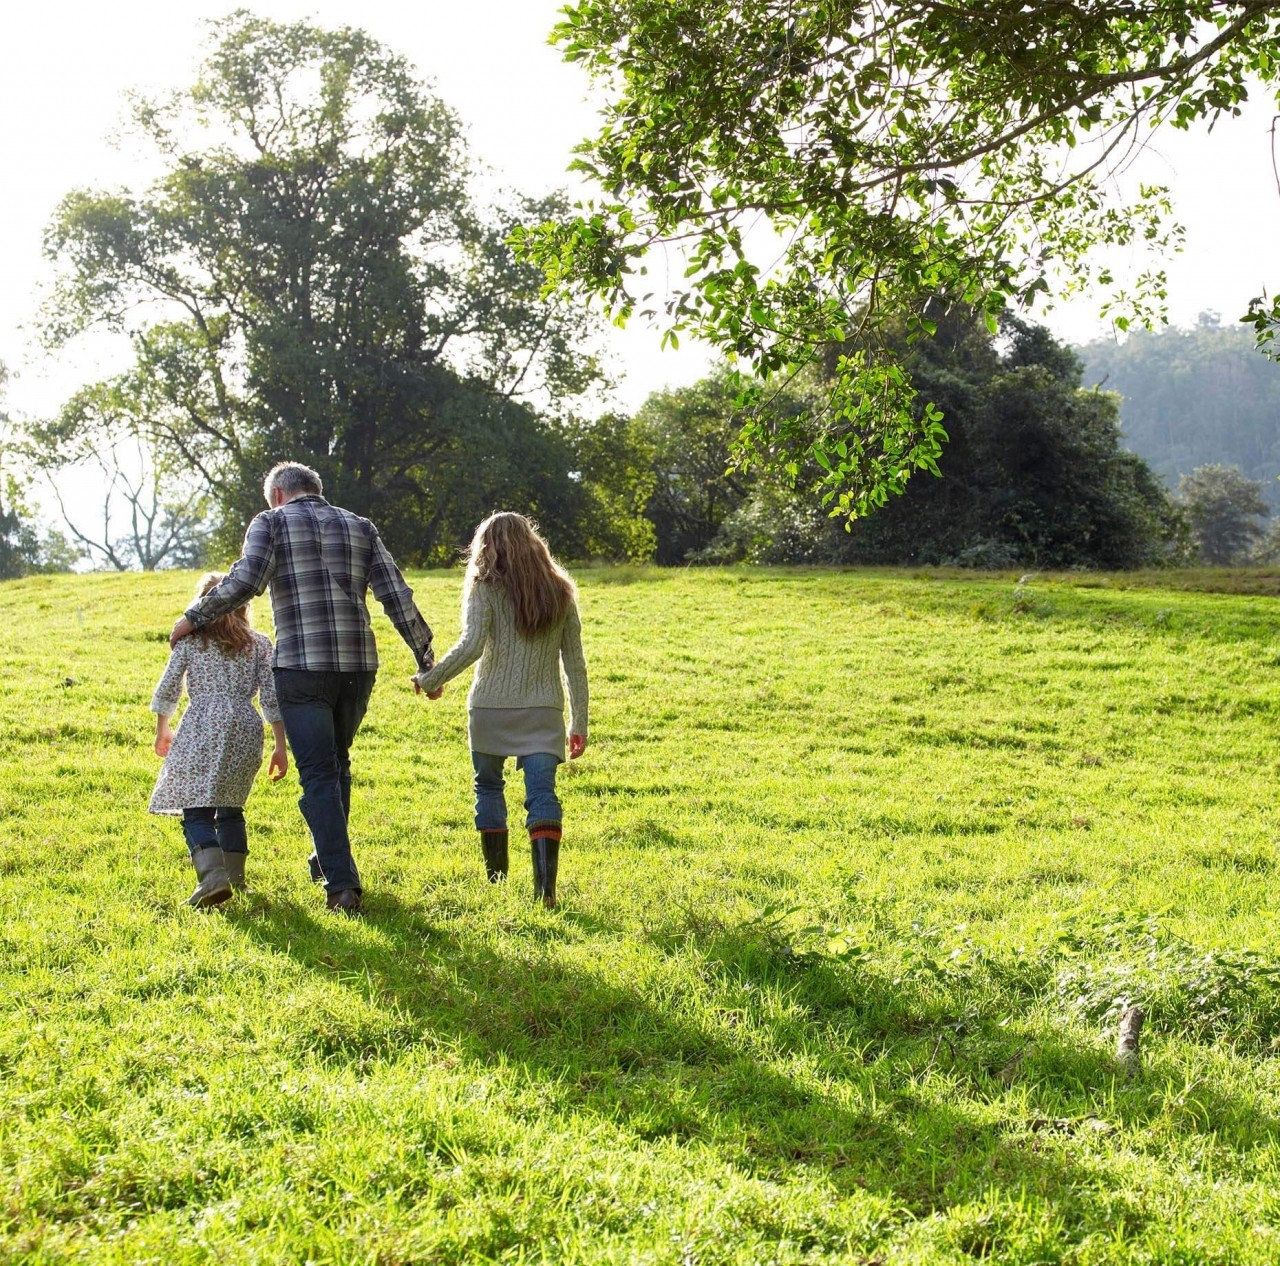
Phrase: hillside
pixel 858 869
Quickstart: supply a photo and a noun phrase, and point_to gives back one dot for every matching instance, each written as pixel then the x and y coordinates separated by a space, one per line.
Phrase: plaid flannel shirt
pixel 319 560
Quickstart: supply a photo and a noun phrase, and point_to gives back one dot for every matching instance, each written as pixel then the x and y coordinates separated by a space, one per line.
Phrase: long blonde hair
pixel 231 632
pixel 507 551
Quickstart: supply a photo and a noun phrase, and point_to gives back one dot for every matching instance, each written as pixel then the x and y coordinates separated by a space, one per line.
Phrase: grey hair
pixel 291 478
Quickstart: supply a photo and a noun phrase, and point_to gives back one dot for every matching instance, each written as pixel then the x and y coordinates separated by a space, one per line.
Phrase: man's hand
pixel 279 764
pixel 183 628
pixel 577 745
pixel 431 694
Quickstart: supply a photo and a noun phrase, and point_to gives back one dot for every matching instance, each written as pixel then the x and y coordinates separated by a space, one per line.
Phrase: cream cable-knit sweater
pixel 515 671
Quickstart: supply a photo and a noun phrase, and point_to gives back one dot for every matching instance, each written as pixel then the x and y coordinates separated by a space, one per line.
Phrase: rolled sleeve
pixel 249 576
pixel 393 593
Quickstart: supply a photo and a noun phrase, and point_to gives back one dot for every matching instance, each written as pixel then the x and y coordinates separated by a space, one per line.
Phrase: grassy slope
pixel 856 867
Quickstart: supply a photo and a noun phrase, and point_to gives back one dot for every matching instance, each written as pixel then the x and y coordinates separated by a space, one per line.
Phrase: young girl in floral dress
pixel 211 761
pixel 520 620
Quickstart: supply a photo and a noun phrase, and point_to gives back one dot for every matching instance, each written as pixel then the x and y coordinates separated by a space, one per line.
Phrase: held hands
pixel 431 694
pixel 182 628
pixel 279 765
pixel 577 745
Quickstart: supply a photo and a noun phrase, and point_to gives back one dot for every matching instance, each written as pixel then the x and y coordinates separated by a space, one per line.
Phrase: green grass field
pixel 858 870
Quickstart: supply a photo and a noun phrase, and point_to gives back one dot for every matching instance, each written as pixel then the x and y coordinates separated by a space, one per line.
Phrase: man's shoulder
pixel 326 509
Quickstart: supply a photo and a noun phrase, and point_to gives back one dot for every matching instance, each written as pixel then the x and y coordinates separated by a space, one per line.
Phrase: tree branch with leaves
pixel 834 168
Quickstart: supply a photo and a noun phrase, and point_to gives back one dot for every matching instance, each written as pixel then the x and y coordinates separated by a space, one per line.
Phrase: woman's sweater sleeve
pixel 575 671
pixel 165 700
pixel 477 619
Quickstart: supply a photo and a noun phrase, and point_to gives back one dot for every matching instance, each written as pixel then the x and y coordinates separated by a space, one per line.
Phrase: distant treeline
pixel 1194 397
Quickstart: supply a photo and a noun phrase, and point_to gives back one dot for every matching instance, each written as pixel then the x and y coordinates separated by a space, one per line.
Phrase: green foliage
pixel 1034 473
pixel 1194 397
pixel 834 166
pixel 687 435
pixel 24 547
pixel 1102 964
pixel 318 284
pixel 1224 509
pixel 614 467
pixel 855 867
pixel 1265 322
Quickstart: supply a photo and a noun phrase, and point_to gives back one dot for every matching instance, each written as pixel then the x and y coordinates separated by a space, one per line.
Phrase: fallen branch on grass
pixel 1128 1041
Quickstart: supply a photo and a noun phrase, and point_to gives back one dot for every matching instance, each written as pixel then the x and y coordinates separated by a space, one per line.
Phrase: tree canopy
pixel 1226 510
pixel 311 278
pixel 1035 475
pixel 838 165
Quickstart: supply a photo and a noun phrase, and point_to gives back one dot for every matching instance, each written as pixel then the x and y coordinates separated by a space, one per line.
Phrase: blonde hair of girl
pixel 230 632
pixel 507 551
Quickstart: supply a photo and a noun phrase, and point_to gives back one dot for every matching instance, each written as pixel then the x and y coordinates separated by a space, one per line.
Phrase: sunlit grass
pixel 858 869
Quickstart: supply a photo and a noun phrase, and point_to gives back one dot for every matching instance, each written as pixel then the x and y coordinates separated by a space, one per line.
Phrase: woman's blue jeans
pixel 540 802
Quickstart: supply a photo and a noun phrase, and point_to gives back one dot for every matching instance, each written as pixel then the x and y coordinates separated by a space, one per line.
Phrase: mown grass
pixel 858 869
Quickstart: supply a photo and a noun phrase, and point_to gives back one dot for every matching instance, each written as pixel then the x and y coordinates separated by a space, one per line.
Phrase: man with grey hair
pixel 319 561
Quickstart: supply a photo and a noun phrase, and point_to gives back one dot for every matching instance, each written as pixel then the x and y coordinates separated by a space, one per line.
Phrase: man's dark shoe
pixel 347 901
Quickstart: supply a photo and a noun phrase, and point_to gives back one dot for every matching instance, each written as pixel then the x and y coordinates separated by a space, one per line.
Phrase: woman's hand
pixel 431 694
pixel 279 764
pixel 577 745
pixel 164 737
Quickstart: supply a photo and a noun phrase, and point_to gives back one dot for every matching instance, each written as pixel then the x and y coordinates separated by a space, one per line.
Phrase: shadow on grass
pixel 830 1073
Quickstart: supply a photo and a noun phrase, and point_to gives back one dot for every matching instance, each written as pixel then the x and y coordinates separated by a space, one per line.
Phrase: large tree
pixel 1226 510
pixel 830 166
pixel 311 278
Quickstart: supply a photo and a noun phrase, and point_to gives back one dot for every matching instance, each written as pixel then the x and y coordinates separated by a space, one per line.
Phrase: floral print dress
pixel 217 750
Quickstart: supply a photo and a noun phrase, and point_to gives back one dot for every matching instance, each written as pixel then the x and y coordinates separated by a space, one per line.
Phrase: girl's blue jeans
pixel 208 826
pixel 540 802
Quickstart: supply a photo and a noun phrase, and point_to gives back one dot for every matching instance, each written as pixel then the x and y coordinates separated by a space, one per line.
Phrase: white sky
pixel 64 67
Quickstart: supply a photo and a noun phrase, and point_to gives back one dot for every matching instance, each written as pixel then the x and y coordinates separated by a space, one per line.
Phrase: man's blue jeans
pixel 322 712
pixel 205 827
pixel 540 802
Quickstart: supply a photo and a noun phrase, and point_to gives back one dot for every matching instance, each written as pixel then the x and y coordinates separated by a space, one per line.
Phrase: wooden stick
pixel 1128 1042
